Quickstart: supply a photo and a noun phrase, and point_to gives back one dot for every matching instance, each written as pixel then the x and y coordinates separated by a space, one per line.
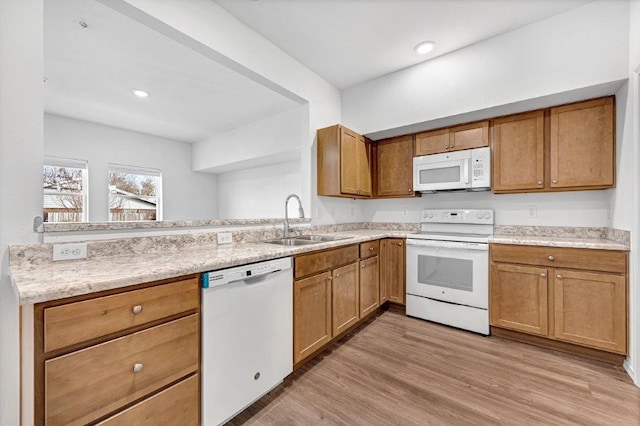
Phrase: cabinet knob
pixel 410 190
pixel 543 275
pixel 137 367
pixel 370 248
pixel 137 309
pixel 554 181
pixel 559 276
pixel 329 278
pixel 539 182
pixel 337 275
pixel 400 244
pixel 446 146
pixel 363 266
pixel 551 258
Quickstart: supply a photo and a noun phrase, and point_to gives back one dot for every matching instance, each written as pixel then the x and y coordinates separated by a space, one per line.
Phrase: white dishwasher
pixel 247 335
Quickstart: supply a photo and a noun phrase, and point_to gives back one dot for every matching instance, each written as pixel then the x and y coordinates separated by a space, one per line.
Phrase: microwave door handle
pixel 465 171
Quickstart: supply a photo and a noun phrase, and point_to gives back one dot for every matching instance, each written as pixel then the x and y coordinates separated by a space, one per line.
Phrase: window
pixel 134 193
pixel 65 186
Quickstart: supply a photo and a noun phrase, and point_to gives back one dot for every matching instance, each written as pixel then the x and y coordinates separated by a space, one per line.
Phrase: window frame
pixel 71 163
pixel 140 171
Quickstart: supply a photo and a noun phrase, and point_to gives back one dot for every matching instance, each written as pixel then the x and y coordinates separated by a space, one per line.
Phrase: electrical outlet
pixel 225 237
pixel 404 212
pixel 69 251
pixel 532 212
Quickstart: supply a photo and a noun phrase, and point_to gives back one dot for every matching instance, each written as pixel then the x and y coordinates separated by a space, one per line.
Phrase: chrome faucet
pixel 286 213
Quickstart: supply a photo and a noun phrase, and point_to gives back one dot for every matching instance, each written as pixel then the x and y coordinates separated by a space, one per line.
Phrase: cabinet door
pixel 432 142
pixel 350 147
pixel 474 135
pixel 346 297
pixel 590 309
pixel 394 160
pixel 311 315
pixel 518 152
pixel 363 161
pixel 518 298
pixel 392 270
pixel 582 145
pixel 369 285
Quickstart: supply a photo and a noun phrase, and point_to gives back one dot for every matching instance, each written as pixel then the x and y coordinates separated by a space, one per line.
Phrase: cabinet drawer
pixel 369 249
pixel 77 322
pixel 308 264
pixel 177 405
pixel 574 258
pixel 85 385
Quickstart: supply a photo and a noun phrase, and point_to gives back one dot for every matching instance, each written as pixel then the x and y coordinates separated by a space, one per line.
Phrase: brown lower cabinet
pixel 136 362
pixel 575 296
pixel 392 270
pixel 333 291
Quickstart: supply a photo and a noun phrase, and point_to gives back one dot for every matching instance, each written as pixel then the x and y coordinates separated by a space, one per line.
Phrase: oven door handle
pixel 448 244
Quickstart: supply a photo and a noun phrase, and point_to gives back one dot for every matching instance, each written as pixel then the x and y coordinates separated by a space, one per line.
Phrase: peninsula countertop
pixel 35 283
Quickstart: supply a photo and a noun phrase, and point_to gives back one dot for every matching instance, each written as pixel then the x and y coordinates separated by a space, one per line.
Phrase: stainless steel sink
pixel 321 238
pixel 304 240
pixel 292 241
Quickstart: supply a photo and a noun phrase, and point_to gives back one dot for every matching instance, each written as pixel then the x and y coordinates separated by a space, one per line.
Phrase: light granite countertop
pixel 572 242
pixel 35 283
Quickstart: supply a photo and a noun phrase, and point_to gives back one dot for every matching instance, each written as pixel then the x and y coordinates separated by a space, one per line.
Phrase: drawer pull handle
pixel 559 276
pixel 137 367
pixel 137 309
pixel 551 258
pixel 370 248
pixel 543 275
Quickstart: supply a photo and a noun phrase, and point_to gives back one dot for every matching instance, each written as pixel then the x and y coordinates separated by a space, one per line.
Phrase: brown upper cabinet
pixel 570 147
pixel 582 145
pixel 344 163
pixel 518 152
pixel 466 136
pixel 394 167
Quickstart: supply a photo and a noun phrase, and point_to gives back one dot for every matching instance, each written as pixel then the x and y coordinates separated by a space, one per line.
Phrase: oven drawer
pixel 575 258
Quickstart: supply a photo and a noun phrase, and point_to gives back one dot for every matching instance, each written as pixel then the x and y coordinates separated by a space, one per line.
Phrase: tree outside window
pixel 65 187
pixel 134 193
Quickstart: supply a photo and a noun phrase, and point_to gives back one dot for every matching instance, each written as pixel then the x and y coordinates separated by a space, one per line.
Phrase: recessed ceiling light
pixel 424 47
pixel 139 93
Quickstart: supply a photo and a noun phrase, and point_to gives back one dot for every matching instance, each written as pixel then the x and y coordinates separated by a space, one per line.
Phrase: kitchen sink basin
pixel 320 238
pixel 304 240
pixel 291 242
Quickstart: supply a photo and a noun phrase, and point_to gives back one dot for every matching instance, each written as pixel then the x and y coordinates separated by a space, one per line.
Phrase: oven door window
pixel 446 272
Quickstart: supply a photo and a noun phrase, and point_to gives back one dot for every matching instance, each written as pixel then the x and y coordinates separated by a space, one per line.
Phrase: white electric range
pixel 448 268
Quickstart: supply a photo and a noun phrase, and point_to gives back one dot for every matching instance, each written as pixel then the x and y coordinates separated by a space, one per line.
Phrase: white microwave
pixel 457 170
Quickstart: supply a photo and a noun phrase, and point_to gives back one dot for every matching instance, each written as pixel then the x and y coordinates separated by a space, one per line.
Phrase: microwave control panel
pixel 480 167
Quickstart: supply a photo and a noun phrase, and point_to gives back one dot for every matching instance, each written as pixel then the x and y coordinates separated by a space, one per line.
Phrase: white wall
pixel 186 195
pixel 211 30
pixel 21 101
pixel 269 140
pixel 626 198
pixel 580 208
pixel 583 47
pixel 259 192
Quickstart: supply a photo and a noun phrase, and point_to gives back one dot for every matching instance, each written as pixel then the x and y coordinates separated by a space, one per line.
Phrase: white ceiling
pixel 91 72
pixel 351 41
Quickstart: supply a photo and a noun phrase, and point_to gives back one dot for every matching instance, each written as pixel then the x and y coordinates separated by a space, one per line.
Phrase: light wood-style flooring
pixel 396 370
